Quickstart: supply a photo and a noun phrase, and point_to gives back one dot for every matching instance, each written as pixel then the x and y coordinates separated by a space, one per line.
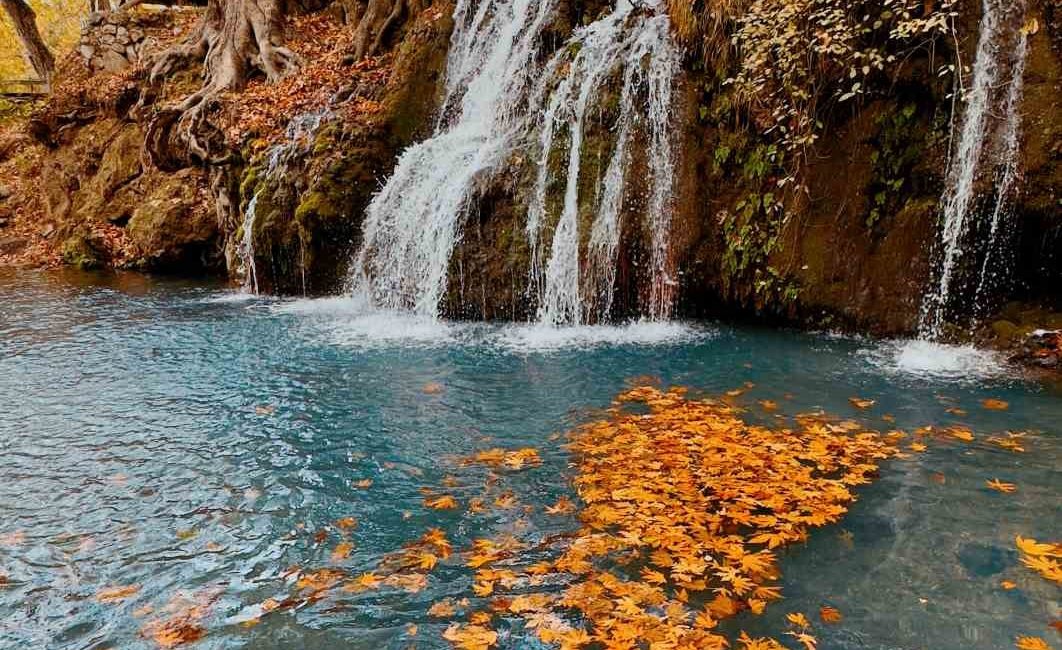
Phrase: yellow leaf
pixel 1000 486
pixel 995 404
pixel 1031 643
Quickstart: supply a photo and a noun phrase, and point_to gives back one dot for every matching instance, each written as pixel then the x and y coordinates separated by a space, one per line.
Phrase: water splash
pixel 413 224
pixel 639 44
pixel 1001 49
pixel 298 136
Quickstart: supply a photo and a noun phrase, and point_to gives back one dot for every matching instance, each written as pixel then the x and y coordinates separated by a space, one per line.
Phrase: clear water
pixel 183 438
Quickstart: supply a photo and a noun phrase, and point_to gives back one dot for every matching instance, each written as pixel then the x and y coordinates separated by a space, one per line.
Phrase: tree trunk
pixel 234 40
pixel 36 52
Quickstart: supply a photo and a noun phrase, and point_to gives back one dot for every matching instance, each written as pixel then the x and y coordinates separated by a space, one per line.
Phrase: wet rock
pixel 1041 349
pixel 1006 331
pixel 173 228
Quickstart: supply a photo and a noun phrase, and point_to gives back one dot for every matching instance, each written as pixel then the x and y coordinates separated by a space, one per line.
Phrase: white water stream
pixel 499 100
pixel 988 148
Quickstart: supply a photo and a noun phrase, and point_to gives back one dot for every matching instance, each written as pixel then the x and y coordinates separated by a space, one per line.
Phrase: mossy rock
pixel 79 251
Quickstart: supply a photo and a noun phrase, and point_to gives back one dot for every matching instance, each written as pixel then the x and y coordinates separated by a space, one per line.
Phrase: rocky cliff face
pixel 853 250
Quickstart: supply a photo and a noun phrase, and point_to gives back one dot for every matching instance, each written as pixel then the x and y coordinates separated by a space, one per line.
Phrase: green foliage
pixel 901 144
pixel 793 54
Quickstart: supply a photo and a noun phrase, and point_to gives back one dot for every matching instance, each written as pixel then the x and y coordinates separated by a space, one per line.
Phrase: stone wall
pixel 111 41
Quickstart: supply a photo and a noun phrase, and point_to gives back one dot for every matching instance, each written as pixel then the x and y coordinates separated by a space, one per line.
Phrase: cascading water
pixel 985 148
pixel 413 224
pixel 639 45
pixel 298 134
pixel 498 100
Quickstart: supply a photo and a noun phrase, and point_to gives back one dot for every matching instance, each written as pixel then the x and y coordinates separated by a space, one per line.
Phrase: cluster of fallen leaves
pixel 684 508
pixel 1045 559
pixel 684 505
pixel 322 43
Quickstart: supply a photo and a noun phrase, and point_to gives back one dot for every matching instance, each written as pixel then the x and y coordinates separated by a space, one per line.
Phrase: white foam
pixel 230 297
pixel 547 338
pixel 348 322
pixel 933 360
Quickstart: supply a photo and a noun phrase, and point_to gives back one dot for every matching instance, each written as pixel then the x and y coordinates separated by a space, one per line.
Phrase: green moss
pixel 78 251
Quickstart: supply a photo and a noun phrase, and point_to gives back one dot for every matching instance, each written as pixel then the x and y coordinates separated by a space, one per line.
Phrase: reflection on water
pixel 197 445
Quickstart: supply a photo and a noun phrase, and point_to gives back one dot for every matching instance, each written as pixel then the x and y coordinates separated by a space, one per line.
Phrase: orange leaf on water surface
pixel 1007 584
pixel 432 388
pixel 830 614
pixel 1057 625
pixel 1031 643
pixel 917 446
pixel 995 404
pixel 442 609
pixel 443 502
pixel 411 630
pixel 861 403
pixel 955 410
pixel 798 619
pixel 470 637
pixel 342 551
pixel 1030 546
pixel 363 484
pixel 347 523
pixel 960 433
pixel 116 594
pixel 563 506
pixel 768 405
pixel 1000 486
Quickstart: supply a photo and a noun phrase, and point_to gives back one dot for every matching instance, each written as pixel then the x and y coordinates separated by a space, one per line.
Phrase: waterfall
pixel 641 47
pixel 500 100
pixel 984 147
pixel 413 224
pixel 298 135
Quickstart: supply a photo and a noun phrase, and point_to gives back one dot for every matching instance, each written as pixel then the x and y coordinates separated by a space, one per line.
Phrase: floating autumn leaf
pixel 347 523
pixel 265 409
pixel 364 582
pixel 768 405
pixel 411 630
pixel 995 404
pixel 861 403
pixel 563 506
pixel 342 551
pixel 442 609
pixel 515 459
pixel 442 502
pixel 363 484
pixel 830 614
pixel 1007 584
pixel 955 410
pixel 1000 486
pixel 116 594
pixel 1031 643
pixel 432 388
pixel 960 433
pixel 917 447
pixel 470 637
pixel 1041 558
pixel 183 622
pixel 798 619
